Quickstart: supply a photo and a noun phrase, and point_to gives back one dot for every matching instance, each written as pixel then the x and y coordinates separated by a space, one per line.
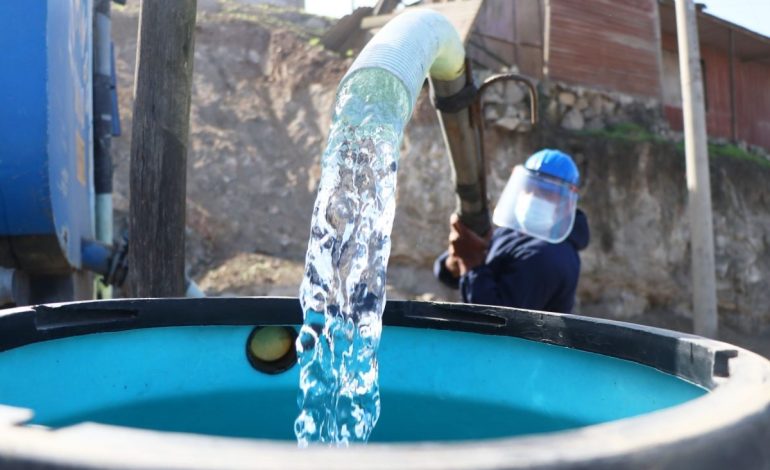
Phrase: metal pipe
pixel 458 105
pixel 533 103
pixel 110 262
pixel 96 256
pixel 463 144
pixel 14 287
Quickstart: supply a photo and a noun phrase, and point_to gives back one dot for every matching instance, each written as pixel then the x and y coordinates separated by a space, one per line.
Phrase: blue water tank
pixel 46 156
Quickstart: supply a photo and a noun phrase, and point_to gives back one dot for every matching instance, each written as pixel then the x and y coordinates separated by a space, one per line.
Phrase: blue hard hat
pixel 554 163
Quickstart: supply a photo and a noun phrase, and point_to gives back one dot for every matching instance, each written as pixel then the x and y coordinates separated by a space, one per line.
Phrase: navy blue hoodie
pixel 524 272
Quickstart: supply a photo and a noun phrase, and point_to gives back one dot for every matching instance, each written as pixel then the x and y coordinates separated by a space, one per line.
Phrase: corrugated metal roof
pixel 714 31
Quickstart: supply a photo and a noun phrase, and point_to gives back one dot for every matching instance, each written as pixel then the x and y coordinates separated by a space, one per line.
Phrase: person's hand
pixel 466 249
pixel 452 264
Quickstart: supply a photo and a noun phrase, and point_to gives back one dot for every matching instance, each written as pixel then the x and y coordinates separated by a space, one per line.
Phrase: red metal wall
pixel 609 44
pixel 753 103
pixel 752 96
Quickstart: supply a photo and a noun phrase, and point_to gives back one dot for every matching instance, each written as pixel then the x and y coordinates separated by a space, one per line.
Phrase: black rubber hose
pixel 102 98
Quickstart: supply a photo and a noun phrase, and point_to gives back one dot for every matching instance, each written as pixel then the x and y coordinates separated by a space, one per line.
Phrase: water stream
pixel 343 291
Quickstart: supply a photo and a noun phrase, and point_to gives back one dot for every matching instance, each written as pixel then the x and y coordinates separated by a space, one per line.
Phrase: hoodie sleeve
pixel 530 284
pixel 442 273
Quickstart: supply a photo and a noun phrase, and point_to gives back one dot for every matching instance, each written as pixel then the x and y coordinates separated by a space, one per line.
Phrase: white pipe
pixel 411 45
pixel 14 286
pixel 104 218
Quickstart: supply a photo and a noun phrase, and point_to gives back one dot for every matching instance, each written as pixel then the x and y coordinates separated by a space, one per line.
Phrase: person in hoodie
pixel 531 261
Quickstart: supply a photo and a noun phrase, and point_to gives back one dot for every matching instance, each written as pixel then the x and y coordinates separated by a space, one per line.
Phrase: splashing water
pixel 343 291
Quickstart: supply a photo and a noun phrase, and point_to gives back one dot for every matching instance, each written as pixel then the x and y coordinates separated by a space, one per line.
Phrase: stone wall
pixel 574 108
pixel 506 105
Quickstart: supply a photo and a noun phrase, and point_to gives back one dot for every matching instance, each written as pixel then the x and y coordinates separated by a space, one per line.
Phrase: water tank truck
pixel 58 113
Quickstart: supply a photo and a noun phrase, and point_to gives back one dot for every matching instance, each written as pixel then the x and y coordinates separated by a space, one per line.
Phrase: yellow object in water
pixel 271 343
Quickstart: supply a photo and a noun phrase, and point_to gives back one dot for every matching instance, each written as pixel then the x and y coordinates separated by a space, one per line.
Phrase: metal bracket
pixel 476 109
pixel 514 77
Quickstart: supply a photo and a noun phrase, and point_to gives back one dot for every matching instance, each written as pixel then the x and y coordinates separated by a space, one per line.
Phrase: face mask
pixel 535 215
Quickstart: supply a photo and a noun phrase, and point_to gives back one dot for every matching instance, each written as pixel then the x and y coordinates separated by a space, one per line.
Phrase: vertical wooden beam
pixel 733 117
pixel 159 148
pixel 698 182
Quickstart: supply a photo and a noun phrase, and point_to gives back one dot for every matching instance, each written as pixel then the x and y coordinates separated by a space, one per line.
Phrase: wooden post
pixel 698 182
pixel 159 148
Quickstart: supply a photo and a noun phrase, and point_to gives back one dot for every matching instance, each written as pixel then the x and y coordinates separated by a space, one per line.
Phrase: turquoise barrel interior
pixel 436 385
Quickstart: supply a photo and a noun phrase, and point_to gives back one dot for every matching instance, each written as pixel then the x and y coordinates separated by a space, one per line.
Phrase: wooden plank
pixel 159 148
pixel 462 15
pixel 530 61
pixel 490 53
pixel 529 22
pixel 344 34
pixel 496 20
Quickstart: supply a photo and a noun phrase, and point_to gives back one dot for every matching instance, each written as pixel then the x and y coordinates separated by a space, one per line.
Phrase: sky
pixel 336 8
pixel 751 14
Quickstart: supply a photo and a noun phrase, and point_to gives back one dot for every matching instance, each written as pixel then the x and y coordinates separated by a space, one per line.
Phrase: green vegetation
pixel 730 151
pixel 631 132
pixel 627 131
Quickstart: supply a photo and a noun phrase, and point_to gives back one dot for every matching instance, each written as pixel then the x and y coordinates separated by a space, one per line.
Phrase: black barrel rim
pixel 729 425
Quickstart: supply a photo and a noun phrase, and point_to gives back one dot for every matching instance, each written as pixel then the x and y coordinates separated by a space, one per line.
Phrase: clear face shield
pixel 537 205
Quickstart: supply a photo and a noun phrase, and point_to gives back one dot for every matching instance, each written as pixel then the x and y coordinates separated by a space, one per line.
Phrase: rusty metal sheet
pixel 753 102
pixel 609 44
pixel 752 93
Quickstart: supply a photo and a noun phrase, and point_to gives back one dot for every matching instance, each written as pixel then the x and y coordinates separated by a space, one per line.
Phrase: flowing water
pixel 343 291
